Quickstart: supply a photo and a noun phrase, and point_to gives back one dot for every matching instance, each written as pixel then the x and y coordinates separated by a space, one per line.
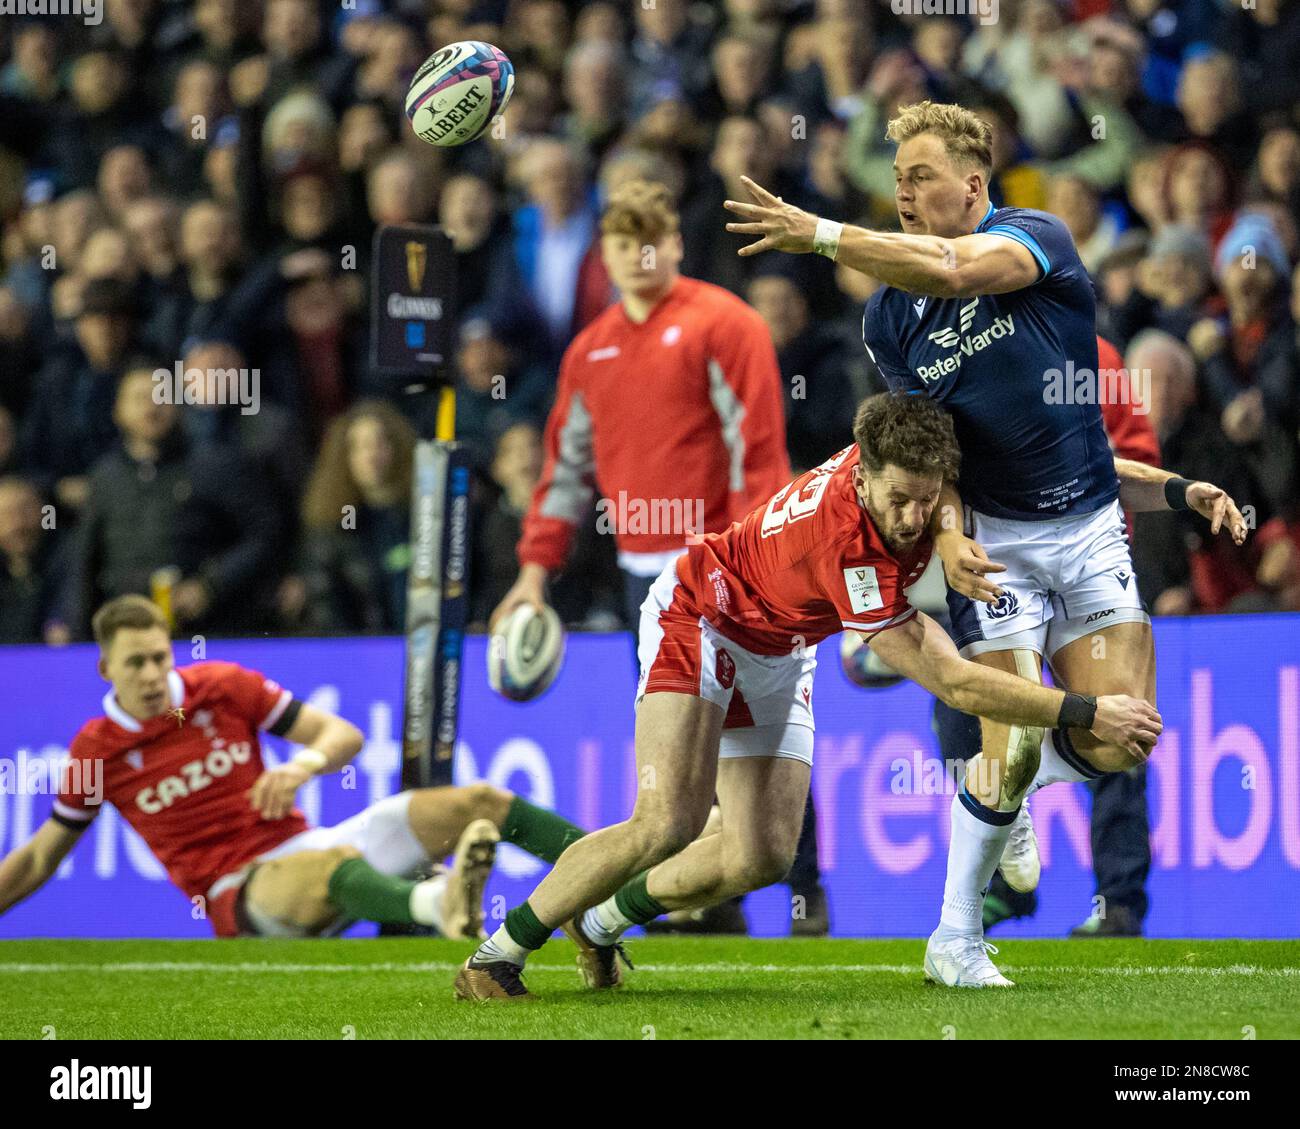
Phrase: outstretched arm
pixel 921 650
pixel 1143 488
pixel 919 264
pixel 26 869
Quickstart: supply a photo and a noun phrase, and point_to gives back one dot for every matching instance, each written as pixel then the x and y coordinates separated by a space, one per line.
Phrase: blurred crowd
pixel 197 183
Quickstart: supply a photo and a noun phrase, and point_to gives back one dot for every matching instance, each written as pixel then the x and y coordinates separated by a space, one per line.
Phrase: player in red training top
pixel 178 754
pixel 728 638
pixel 670 401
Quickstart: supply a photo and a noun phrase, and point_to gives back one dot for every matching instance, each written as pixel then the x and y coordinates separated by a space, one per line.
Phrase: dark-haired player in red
pixel 177 752
pixel 728 639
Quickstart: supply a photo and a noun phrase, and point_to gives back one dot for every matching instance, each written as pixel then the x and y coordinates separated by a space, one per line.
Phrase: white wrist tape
pixel 313 760
pixel 826 239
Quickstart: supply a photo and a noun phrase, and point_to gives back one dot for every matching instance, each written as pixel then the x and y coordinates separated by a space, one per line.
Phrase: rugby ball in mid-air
pixel 525 653
pixel 863 667
pixel 457 92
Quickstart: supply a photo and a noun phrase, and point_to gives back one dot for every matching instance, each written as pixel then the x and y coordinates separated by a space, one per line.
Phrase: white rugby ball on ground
pixel 525 653
pixel 863 666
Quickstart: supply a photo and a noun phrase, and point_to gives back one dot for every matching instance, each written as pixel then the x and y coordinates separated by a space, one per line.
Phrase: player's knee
pixel 660 834
pixel 1108 758
pixel 487 801
pixel 763 867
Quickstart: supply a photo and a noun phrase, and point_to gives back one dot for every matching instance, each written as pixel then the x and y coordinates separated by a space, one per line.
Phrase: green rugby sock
pixel 524 928
pixel 362 892
pixel 635 903
pixel 538 831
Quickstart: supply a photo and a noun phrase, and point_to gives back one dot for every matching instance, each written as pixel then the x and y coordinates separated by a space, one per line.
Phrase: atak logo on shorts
pixel 1099 615
pixel 1006 605
pixel 1122 577
pixel 726 670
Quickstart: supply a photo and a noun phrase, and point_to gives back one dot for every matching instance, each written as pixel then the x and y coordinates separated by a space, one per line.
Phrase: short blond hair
pixel 966 137
pixel 643 208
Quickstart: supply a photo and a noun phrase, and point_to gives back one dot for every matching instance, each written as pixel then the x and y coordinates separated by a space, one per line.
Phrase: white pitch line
pixel 721 968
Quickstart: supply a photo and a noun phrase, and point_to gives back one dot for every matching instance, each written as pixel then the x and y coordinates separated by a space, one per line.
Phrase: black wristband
pixel 1078 711
pixel 1176 493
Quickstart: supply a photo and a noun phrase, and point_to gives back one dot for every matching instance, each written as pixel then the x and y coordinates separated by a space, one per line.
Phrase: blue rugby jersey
pixel 1015 371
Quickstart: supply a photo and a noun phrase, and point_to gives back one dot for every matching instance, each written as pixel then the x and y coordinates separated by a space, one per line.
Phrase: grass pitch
pixel 688 988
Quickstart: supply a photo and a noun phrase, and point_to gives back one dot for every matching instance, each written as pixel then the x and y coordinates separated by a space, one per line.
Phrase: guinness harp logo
pixel 417 257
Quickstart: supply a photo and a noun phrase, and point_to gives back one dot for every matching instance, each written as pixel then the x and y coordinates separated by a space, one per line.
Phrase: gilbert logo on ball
pixel 457 92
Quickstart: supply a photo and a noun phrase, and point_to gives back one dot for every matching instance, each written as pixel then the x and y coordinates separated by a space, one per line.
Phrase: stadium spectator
pixel 198 103
pixel 595 90
pixel 1199 189
pixel 18 358
pixel 516 467
pixel 33 72
pixel 227 408
pixel 69 422
pixel 1209 99
pixel 1247 361
pixel 1078 203
pixel 1169 288
pixel 498 385
pixel 356 518
pixel 739 149
pixel 552 233
pixel 162 512
pixel 819 399
pixel 124 177
pixel 29 581
pixel 398 190
pixel 670 55
pixel 98 119
pixel 1211 574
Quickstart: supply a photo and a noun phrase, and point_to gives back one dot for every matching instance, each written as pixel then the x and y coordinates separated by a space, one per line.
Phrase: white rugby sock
pixel 1053 768
pixel 426 901
pixel 501 946
pixel 973 856
pixel 604 924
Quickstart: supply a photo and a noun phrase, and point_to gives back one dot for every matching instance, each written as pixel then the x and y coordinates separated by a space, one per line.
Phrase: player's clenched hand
pixel 272 794
pixel 1130 723
pixel 965 566
pixel 528 588
pixel 1215 505
pixel 783 227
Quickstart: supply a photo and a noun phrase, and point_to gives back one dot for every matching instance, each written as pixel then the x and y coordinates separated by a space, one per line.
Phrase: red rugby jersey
pixel 805 566
pixel 679 417
pixel 182 779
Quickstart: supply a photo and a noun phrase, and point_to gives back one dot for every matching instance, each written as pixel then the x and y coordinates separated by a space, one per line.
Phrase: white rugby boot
pixel 1020 864
pixel 962 962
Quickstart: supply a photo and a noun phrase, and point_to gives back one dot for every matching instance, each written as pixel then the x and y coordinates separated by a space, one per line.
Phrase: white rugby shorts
pixel 767 698
pixel 1066 578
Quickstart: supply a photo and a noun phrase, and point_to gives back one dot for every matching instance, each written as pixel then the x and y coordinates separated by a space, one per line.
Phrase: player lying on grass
pixel 990 312
pixel 178 754
pixel 727 644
